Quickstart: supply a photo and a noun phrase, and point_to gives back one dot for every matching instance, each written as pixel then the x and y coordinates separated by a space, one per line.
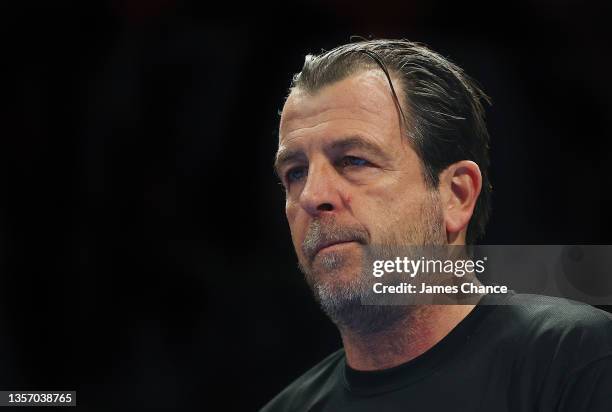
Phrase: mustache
pixel 323 232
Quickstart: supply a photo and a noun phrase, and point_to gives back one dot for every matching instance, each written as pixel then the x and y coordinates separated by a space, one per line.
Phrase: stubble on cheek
pixel 297 233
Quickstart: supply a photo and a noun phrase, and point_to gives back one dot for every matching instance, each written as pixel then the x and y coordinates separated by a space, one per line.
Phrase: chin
pixel 338 263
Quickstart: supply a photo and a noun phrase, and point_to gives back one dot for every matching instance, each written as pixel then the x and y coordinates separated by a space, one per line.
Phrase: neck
pixel 415 334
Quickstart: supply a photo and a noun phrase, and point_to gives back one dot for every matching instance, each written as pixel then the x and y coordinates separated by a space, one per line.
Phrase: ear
pixel 459 187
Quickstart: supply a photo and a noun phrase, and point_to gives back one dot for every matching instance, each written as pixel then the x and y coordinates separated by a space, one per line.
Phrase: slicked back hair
pixel 440 106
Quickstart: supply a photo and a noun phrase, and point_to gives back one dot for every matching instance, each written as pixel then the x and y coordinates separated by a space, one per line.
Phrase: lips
pixel 311 249
pixel 326 232
pixel 327 244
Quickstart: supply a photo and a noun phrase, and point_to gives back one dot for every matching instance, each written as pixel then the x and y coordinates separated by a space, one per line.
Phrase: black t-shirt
pixel 531 353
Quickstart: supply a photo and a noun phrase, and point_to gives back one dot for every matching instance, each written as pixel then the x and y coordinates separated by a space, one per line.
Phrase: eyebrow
pixel 358 142
pixel 284 156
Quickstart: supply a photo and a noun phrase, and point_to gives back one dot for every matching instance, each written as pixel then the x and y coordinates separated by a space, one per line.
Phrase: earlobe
pixel 460 185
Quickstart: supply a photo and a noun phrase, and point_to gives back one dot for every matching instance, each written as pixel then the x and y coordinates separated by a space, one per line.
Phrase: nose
pixel 321 193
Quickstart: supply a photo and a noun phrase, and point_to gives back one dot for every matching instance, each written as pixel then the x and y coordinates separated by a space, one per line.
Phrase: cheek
pixel 383 200
pixel 292 213
pixel 391 207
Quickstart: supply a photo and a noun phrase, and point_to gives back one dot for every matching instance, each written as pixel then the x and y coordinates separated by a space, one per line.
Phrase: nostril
pixel 325 207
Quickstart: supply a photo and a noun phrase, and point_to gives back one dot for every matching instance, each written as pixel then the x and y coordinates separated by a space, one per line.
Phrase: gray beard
pixel 342 302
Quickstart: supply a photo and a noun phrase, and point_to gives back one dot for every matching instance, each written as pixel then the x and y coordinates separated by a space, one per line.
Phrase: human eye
pixel 295 174
pixel 353 161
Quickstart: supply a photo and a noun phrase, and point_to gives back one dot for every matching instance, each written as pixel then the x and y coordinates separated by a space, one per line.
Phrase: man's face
pixel 351 178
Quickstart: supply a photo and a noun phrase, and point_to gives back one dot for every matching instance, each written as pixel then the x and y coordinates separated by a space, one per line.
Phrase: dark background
pixel 145 259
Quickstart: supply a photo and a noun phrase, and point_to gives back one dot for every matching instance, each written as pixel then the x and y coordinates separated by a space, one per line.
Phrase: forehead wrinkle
pixel 366 98
pixel 299 130
pixel 367 90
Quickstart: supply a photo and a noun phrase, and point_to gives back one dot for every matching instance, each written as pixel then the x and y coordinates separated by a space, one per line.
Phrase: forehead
pixel 362 101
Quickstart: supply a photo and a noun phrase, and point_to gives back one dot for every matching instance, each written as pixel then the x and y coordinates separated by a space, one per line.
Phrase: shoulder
pixel 312 384
pixel 556 329
pixel 545 315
